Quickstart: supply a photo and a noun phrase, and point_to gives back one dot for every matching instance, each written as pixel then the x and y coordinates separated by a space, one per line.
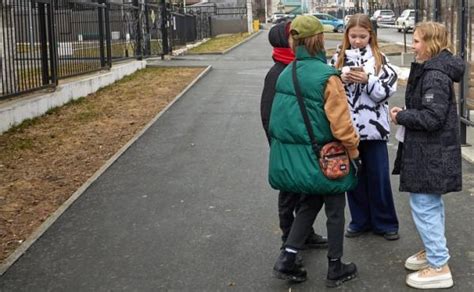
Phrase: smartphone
pixel 357 69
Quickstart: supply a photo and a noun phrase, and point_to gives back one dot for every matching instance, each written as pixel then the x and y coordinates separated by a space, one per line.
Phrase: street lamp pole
pixel 249 16
pixel 344 13
pixel 266 11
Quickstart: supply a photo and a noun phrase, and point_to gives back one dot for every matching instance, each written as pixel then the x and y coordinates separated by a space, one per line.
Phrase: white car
pixel 385 16
pixel 346 18
pixel 406 21
pixel 277 16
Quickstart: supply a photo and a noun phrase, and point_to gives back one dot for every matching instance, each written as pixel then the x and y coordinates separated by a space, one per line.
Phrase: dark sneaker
pixel 286 268
pixel 339 272
pixel 353 233
pixel 316 241
pixel 392 235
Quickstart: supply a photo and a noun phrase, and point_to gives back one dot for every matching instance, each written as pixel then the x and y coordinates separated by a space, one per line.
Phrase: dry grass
pixel 44 161
pixel 219 44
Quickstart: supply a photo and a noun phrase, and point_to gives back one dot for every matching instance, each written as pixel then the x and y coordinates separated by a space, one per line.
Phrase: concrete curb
pixel 393 54
pixel 468 153
pixel 229 49
pixel 16 110
pixel 51 219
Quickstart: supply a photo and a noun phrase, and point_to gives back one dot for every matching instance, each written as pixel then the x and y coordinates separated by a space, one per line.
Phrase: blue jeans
pixel 428 214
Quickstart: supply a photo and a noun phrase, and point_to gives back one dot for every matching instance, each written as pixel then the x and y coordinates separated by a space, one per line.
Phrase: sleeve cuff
pixel 353 153
pixel 371 81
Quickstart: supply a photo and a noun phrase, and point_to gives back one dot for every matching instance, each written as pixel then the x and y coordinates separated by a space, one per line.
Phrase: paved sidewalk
pixel 188 207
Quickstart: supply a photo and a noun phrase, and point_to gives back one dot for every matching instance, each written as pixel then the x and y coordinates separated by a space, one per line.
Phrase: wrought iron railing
pixel 42 41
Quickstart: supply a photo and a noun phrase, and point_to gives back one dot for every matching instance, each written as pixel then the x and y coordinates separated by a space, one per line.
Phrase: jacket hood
pixel 451 65
pixel 278 37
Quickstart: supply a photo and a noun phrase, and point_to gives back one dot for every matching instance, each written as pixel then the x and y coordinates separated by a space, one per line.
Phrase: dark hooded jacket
pixel 278 39
pixel 431 158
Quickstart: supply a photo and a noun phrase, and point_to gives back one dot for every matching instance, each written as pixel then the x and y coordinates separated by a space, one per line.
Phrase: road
pixel 392 35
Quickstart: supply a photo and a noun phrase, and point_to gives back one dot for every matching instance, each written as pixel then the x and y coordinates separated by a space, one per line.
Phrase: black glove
pixel 357 164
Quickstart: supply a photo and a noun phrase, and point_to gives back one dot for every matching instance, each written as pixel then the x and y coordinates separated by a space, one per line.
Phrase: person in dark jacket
pixel 293 164
pixel 430 163
pixel 283 55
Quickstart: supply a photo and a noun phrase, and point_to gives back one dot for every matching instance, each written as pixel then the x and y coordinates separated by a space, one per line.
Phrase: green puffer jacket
pixel 293 164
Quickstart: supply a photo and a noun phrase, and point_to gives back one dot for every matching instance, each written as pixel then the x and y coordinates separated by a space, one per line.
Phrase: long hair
pixel 363 21
pixel 313 44
pixel 435 35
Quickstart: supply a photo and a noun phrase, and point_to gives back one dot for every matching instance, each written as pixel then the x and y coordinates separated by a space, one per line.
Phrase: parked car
pixel 346 18
pixel 385 16
pixel 327 19
pixel 285 18
pixel 406 21
pixel 276 16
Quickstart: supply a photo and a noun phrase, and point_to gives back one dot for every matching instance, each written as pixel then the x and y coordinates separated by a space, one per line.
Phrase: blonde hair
pixel 436 37
pixel 363 21
pixel 313 44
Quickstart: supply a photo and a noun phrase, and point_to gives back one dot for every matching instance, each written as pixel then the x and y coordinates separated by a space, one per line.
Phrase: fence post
pixel 417 11
pixel 100 11
pixel 464 86
pixel 147 30
pixel 105 35
pixel 108 33
pixel 139 37
pixel 437 13
pixel 53 47
pixel 164 28
pixel 43 43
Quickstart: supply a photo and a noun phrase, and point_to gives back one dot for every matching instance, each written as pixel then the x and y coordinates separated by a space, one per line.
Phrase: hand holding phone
pixel 358 75
pixel 357 69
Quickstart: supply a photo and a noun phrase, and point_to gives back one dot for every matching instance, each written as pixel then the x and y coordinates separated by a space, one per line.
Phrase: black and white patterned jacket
pixel 369 102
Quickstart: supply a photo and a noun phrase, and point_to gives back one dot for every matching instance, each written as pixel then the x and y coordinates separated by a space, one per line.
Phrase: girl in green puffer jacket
pixel 291 154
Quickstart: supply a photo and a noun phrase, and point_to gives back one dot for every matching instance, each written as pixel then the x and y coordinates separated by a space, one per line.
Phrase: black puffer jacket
pixel 431 158
pixel 278 39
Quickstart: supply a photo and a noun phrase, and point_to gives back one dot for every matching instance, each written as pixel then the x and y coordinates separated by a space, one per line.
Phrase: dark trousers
pixel 288 205
pixel 310 205
pixel 371 203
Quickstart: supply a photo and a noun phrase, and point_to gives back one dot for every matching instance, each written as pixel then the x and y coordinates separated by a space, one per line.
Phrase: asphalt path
pixel 188 208
pixel 391 35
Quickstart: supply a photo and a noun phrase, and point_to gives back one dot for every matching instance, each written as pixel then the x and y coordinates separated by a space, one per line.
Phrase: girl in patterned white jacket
pixel 369 81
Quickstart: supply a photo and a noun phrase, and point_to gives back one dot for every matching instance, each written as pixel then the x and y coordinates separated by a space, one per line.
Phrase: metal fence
pixel 24 37
pixel 78 38
pixel 42 41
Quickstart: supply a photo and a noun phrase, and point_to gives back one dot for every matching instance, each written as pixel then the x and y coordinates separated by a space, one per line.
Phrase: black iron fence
pixel 43 41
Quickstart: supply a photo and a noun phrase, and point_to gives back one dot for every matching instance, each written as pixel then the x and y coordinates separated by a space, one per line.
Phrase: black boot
pixel 299 257
pixel 338 272
pixel 286 268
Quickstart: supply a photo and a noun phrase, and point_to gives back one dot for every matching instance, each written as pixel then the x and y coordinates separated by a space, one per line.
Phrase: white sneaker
pixel 431 278
pixel 417 261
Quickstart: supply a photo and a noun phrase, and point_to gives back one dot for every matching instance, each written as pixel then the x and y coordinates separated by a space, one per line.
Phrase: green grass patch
pixel 21 144
pixel 22 126
pixel 219 44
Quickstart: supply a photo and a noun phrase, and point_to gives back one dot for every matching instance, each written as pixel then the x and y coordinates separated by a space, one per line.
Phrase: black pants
pixel 310 205
pixel 288 205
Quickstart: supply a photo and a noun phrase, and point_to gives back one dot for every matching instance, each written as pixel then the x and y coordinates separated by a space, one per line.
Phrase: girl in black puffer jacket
pixel 430 163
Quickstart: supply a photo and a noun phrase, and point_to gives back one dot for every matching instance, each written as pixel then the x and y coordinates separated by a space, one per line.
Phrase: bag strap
pixel 304 113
